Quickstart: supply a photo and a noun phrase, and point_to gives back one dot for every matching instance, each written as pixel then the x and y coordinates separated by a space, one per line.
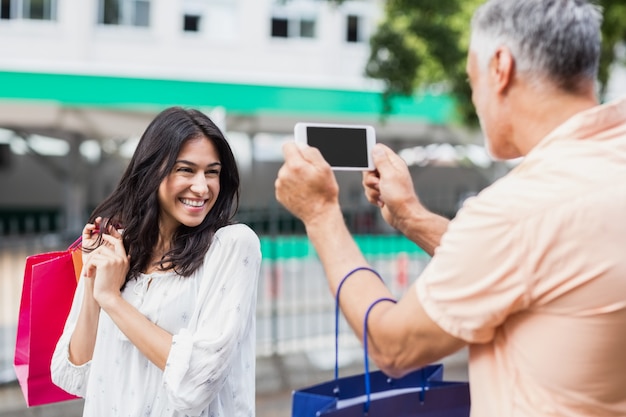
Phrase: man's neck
pixel 539 112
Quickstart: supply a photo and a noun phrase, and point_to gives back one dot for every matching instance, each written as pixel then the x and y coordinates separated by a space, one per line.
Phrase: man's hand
pixel 305 184
pixel 390 187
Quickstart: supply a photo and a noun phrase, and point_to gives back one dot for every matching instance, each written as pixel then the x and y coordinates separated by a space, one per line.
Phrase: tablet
pixel 343 146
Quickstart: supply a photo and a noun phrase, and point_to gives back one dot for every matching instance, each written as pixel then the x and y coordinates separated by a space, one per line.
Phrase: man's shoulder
pixel 508 198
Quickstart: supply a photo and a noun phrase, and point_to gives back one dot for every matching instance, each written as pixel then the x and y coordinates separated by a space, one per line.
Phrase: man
pixel 531 273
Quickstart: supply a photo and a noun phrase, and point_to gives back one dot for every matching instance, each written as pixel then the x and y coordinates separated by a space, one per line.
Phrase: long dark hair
pixel 134 204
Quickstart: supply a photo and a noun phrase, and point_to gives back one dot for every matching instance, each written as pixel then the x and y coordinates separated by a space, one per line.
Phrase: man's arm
pixel 402 337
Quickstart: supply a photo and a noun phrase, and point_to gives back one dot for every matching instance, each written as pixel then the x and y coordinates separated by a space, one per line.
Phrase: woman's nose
pixel 199 184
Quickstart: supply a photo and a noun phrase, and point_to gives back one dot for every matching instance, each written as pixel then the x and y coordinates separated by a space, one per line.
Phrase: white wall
pixel 241 50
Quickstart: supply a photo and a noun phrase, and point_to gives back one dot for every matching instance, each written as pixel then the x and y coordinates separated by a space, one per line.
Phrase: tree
pixel 422 45
pixel 613 35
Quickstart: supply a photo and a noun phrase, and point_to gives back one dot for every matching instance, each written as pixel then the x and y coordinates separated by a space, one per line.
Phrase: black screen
pixel 341 147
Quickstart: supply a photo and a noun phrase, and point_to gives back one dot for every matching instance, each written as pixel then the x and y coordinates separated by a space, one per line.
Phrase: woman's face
pixel 191 188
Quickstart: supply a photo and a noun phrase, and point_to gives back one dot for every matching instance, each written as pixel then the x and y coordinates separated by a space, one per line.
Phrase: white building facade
pixel 259 60
pixel 93 73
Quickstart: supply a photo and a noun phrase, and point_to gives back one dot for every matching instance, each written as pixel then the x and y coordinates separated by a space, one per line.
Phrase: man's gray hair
pixel 551 40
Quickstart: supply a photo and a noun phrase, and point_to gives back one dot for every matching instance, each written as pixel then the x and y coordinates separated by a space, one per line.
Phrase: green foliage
pixel 613 32
pixel 423 43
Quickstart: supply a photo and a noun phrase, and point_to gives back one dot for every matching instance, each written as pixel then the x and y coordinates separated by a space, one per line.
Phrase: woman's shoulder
pixel 237 232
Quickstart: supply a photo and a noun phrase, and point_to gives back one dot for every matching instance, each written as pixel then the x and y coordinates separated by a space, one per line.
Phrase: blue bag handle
pixel 367 372
pixel 367 367
pixel 343 280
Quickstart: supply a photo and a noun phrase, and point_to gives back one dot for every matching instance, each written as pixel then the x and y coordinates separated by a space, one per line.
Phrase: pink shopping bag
pixel 47 292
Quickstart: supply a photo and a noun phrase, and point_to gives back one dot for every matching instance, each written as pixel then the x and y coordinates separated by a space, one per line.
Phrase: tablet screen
pixel 341 147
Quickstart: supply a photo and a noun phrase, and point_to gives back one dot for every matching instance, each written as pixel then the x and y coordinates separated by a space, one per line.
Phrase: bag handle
pixel 76 243
pixel 366 406
pixel 343 280
pixel 367 371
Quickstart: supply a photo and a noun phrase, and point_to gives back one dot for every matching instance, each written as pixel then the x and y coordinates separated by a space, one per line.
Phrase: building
pixel 91 74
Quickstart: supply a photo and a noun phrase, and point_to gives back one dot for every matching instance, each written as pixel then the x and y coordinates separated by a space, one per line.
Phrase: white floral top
pixel 210 370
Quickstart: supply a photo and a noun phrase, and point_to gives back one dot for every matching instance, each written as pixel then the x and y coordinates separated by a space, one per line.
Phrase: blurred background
pixel 81 79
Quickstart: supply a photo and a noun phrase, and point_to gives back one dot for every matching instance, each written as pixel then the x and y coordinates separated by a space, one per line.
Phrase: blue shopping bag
pixel 421 393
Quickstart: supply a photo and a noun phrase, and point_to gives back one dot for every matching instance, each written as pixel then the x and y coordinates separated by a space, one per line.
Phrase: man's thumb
pixel 380 156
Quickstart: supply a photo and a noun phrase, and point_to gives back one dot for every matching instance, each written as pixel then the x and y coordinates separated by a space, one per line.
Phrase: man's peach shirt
pixel 532 274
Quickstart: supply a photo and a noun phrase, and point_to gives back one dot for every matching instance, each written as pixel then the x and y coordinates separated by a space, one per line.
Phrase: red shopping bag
pixel 47 292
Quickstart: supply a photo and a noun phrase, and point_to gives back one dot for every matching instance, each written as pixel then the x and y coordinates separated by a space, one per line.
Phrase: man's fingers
pixel 295 152
pixel 313 155
pixel 371 179
pixel 291 151
pixel 384 158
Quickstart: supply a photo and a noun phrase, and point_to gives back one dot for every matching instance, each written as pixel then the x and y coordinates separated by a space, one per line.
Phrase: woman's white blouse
pixel 210 369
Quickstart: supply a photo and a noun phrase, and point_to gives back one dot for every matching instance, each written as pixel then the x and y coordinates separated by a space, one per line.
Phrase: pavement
pixel 276 378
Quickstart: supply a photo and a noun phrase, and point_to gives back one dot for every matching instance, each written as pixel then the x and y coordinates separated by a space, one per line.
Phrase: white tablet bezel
pixel 300 136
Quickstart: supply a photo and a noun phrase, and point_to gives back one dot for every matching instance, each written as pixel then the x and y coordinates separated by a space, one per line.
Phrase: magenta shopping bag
pixel 47 292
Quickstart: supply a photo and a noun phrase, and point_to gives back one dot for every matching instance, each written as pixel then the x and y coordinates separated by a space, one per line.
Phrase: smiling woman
pixel 189 191
pixel 164 315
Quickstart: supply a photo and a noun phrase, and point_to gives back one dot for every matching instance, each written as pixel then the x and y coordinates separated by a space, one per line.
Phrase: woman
pixel 163 320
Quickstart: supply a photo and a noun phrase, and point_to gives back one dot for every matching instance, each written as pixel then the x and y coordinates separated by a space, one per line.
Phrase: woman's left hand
pixel 110 264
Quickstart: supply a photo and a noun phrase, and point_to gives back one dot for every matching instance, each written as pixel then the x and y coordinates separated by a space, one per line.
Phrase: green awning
pixel 245 99
pixel 299 247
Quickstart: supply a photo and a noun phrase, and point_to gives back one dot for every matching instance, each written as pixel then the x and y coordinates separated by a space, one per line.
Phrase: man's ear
pixel 502 68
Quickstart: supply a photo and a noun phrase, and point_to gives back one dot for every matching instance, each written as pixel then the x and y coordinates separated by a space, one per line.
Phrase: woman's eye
pixel 213 172
pixel 184 169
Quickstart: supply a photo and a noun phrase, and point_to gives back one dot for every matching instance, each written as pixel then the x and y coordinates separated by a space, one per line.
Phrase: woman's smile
pixel 193 203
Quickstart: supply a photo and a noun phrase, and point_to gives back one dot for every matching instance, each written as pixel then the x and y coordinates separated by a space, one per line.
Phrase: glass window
pixel 141 15
pixel 283 27
pixel 124 12
pixel 191 23
pixel 295 19
pixel 307 28
pixel 217 20
pixel 110 12
pixel 37 9
pixel 5 9
pixel 280 27
pixel 28 9
pixel 352 28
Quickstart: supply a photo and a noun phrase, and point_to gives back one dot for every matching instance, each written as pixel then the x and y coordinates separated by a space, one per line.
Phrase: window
pixel 307 28
pixel 191 23
pixel 354 29
pixel 5 9
pixel 28 9
pixel 37 9
pixel 280 27
pixel 210 19
pixel 124 12
pixel 295 19
pixel 284 27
